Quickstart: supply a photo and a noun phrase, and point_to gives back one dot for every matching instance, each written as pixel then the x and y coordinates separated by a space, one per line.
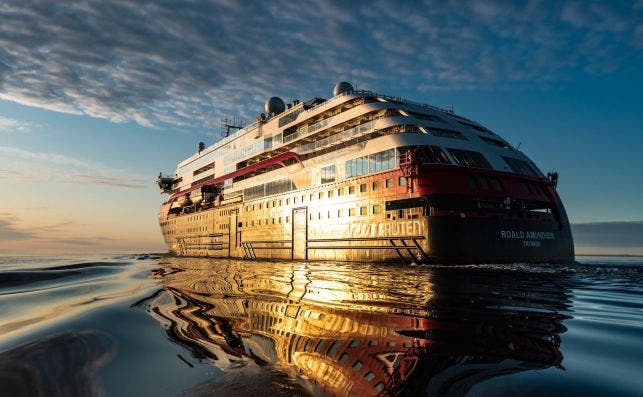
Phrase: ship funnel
pixel 275 105
pixel 342 88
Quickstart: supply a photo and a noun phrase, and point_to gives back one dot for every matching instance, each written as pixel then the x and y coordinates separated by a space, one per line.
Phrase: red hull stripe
pixel 276 160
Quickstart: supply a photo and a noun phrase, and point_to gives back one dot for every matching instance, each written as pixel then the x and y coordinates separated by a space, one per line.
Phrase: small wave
pixel 14 281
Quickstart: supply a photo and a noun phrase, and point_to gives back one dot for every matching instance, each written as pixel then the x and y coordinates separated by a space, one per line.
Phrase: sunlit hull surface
pixel 383 197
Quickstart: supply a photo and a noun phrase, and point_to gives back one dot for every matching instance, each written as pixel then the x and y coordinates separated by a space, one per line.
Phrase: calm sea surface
pixel 156 326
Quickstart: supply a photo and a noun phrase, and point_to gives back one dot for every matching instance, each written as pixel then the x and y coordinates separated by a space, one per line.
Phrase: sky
pixel 97 97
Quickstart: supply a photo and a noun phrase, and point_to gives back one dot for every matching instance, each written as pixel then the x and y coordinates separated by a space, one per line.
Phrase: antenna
pixel 227 125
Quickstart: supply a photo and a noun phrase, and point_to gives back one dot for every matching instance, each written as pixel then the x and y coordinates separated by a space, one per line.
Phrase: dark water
pixel 154 326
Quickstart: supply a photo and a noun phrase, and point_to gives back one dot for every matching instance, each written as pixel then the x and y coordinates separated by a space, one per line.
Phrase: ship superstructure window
pixel 469 158
pixel 428 154
pixel 203 169
pixel 444 133
pixel 328 174
pixel 268 189
pixel 375 162
pixel 494 142
pixel 475 127
pixel 521 166
pixel 424 116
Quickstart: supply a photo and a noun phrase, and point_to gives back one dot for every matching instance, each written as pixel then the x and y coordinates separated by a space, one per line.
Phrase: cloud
pixel 163 63
pixel 9 126
pixel 10 232
pixel 25 165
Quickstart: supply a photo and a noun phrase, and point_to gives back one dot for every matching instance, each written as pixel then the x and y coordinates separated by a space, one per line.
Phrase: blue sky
pixel 97 97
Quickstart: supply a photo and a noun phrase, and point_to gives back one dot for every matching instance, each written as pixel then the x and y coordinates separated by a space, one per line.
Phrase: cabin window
pixel 340 191
pixel 521 166
pixel 328 174
pixel 469 158
pixel 330 193
pixel 375 162
pixel 369 376
pixel 351 212
pixel 362 188
pixel 287 219
pixel 340 213
pixel 389 183
pixel 494 142
pixel 377 209
pixel 363 211
pixel 320 195
pixel 344 358
pixel 402 181
pixel 475 127
pixel 351 190
pixel 310 197
pixel 288 201
pixel 376 185
pixel 333 348
pixel 295 199
pixel 358 365
pixel 445 133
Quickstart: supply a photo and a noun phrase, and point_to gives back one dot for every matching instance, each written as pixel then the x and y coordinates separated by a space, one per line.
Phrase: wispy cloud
pixel 11 126
pixel 20 164
pixel 158 63
pixel 9 231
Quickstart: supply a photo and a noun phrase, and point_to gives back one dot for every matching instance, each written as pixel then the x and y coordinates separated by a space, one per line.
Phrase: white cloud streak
pixel 24 165
pixel 11 126
pixel 164 63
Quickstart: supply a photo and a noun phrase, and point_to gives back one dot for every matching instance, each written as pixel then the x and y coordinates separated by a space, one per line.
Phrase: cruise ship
pixel 364 177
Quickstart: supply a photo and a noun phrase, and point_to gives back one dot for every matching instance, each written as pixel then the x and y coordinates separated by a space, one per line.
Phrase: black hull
pixel 469 240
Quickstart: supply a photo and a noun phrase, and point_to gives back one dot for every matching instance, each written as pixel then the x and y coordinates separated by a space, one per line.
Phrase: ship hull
pixel 427 240
pixel 388 225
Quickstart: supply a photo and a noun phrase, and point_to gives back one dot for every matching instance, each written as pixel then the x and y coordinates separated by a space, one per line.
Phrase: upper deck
pixel 318 125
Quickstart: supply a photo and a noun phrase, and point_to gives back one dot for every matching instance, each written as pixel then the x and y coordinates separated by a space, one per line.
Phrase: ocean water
pixel 159 326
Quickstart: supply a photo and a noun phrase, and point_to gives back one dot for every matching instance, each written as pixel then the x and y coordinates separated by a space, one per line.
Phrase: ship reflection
pixel 363 329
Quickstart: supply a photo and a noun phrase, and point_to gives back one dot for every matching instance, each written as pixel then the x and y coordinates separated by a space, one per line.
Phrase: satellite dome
pixel 275 105
pixel 341 88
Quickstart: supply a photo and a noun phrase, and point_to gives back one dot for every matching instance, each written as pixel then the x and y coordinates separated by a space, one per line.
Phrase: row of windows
pixel 484 183
pixel 520 166
pixel 165 223
pixel 363 188
pixel 268 189
pixel 197 217
pixel 469 158
pixel 375 162
pixel 203 169
pixel 197 229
